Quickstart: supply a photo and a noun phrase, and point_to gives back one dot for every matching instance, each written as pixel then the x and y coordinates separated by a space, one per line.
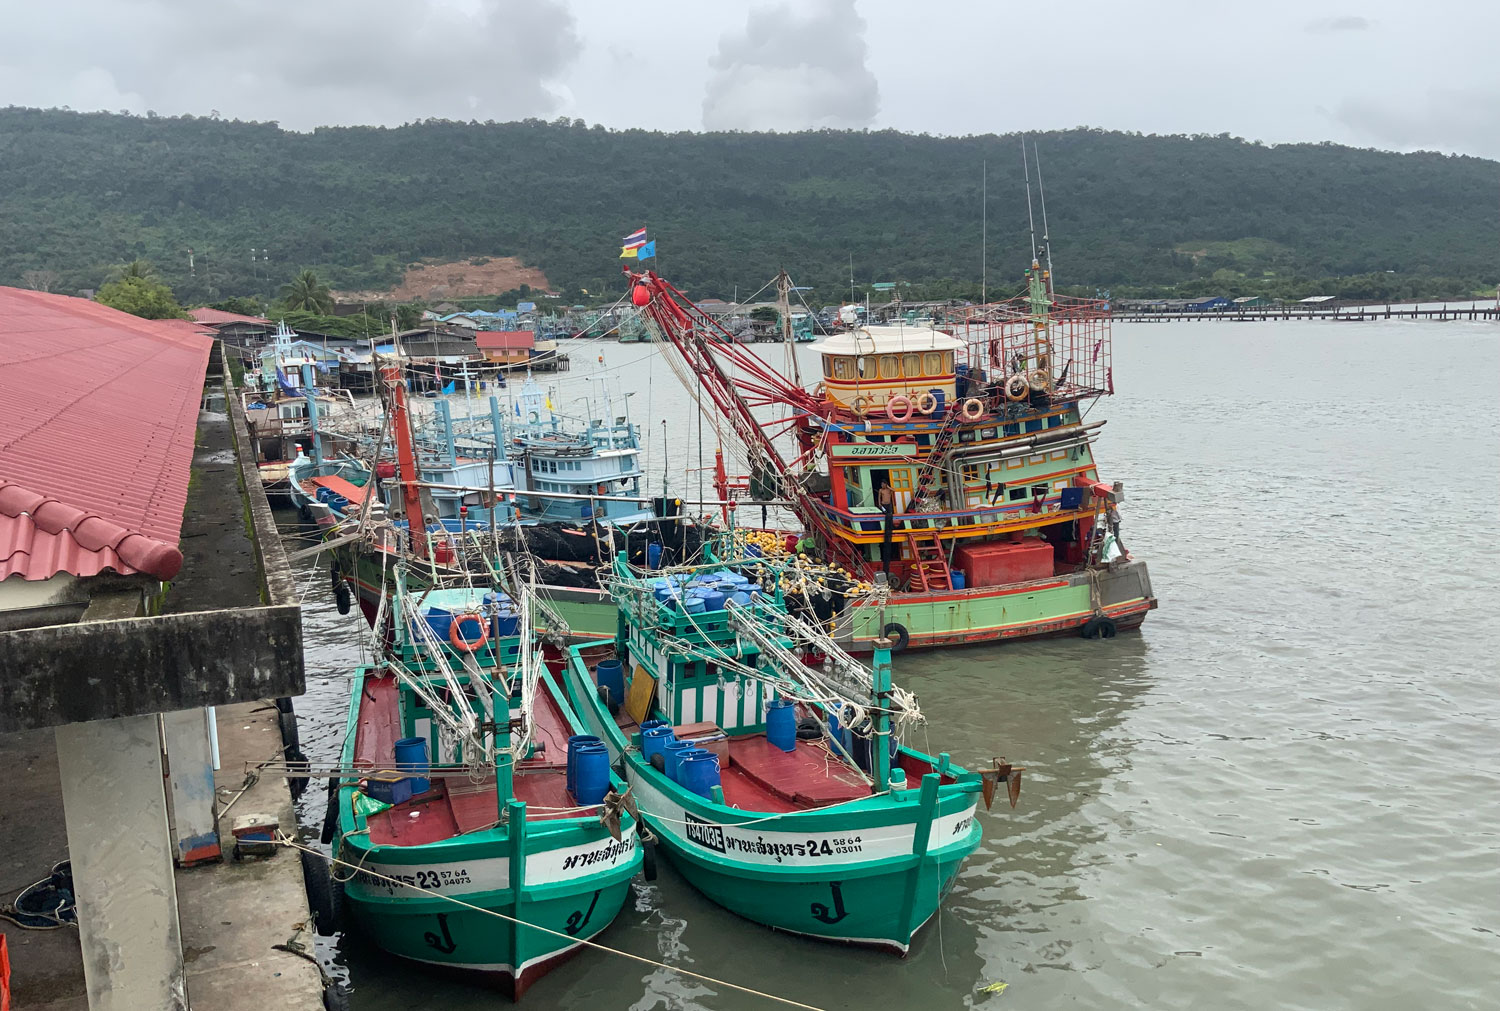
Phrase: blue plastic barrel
pixel 590 773
pixel 699 772
pixel 654 740
pixel 324 494
pixel 781 724
pixel 958 579
pixel 574 743
pixel 653 555
pixel 507 622
pixel 440 620
pixel 411 758
pixel 740 597
pixel 672 756
pixel 653 723
pixel 694 605
pixel 713 600
pixel 611 674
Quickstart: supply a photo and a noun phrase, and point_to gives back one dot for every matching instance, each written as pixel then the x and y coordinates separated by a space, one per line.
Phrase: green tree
pixel 765 314
pixel 306 293
pixel 242 304
pixel 141 296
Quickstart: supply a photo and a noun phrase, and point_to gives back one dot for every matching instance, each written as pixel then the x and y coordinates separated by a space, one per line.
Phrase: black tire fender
pixel 342 598
pixel 324 895
pixel 290 742
pixel 897 631
pixel 331 812
pixel 1100 627
pixel 648 859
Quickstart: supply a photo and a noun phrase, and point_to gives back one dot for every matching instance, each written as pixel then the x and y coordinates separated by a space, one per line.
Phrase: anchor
pixel 1003 772
pixel 820 911
pixel 445 943
pixel 579 919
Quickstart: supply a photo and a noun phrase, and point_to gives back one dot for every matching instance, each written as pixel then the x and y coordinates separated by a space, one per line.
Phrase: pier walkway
pixel 1342 313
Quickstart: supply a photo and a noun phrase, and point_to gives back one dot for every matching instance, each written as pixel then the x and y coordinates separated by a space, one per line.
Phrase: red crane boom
pixel 705 346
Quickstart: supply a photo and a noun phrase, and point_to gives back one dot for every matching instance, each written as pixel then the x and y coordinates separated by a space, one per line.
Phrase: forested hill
pixel 81 192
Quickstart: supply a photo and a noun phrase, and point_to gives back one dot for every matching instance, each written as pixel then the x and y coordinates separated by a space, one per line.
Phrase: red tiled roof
pixel 218 317
pixel 504 340
pixel 98 415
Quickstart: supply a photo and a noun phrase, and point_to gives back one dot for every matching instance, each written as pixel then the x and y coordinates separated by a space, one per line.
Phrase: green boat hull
pixel 465 942
pixel 567 876
pixel 866 873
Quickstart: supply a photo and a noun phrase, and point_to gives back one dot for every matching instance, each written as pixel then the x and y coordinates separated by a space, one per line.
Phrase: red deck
pixel 761 777
pixel 340 486
pixel 455 805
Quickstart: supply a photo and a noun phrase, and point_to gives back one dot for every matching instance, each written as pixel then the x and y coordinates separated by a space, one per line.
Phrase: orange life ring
pixel 926 402
pixel 898 408
pixel 973 409
pixel 861 405
pixel 456 637
pixel 1016 387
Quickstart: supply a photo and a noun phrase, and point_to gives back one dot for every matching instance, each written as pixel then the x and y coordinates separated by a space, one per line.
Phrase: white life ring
pixel 1016 387
pixel 1038 379
pixel 926 402
pixel 898 408
pixel 973 409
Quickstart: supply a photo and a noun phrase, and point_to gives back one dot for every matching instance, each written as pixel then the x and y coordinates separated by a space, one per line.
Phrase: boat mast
pixel 784 307
pixel 406 461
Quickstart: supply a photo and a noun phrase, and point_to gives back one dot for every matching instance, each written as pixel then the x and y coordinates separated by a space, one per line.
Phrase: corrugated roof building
pixel 98 411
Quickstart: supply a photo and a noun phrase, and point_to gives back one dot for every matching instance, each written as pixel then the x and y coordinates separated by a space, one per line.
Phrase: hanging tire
pixel 284 704
pixel 331 812
pixel 290 742
pixel 648 860
pixel 335 575
pixel 1099 627
pixel 897 631
pixel 297 784
pixel 325 896
pixel 335 997
pixel 342 598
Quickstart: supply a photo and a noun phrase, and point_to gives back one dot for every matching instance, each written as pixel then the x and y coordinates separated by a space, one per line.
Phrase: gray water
pixel 1283 793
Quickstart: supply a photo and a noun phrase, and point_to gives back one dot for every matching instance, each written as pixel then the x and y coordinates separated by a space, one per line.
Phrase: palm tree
pixel 135 268
pixel 308 294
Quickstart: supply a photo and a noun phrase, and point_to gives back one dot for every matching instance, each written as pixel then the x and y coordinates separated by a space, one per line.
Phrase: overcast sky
pixel 1376 73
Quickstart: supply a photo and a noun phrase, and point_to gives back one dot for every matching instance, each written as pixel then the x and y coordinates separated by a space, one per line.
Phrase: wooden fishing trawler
pixel 780 790
pixel 951 463
pixel 532 837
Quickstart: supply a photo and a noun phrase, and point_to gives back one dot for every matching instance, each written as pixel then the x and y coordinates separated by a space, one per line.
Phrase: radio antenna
pixel 1042 192
pixel 1029 219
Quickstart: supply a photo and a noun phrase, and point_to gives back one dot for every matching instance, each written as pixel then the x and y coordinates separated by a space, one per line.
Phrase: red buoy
pixel 640 296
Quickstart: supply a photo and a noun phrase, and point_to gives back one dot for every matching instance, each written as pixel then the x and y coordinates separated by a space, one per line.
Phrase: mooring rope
pixel 283 839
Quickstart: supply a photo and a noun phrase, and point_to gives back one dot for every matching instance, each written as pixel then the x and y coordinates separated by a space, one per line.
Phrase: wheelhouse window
pixel 843 367
pixel 911 365
pixel 934 363
pixel 887 366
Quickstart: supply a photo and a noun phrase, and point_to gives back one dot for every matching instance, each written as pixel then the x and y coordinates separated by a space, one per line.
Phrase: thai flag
pixel 635 240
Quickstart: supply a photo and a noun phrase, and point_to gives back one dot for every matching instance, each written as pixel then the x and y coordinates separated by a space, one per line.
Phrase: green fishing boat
pixel 493 860
pixel 779 789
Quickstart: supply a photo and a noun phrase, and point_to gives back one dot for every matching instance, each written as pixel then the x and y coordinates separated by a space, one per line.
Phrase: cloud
pixel 793 68
pixel 303 64
pixel 1452 119
pixel 1345 23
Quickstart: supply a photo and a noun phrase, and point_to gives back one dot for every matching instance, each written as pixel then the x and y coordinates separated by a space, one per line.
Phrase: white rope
pixel 283 839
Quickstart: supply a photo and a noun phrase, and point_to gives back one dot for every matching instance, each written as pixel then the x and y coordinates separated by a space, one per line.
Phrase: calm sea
pixel 1283 793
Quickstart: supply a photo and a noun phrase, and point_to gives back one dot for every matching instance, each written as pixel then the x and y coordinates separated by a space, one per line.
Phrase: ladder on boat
pixel 929 566
pixel 937 456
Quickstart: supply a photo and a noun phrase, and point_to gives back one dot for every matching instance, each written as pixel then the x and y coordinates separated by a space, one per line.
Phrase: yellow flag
pixel 549 402
pixel 629 252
